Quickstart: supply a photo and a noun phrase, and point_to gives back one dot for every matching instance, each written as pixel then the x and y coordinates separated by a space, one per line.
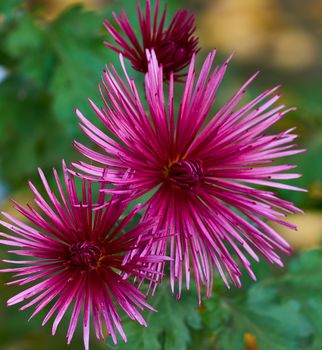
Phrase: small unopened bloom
pixel 210 170
pixel 174 45
pixel 74 259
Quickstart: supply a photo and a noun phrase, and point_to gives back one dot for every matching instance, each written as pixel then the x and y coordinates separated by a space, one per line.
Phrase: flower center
pixel 173 46
pixel 85 255
pixel 186 174
pixel 171 52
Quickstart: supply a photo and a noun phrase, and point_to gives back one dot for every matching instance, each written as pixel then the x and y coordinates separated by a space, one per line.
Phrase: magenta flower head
pixel 174 45
pixel 75 259
pixel 204 167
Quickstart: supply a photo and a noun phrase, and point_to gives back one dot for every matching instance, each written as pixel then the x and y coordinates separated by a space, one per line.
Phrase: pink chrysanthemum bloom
pixel 75 259
pixel 204 168
pixel 173 46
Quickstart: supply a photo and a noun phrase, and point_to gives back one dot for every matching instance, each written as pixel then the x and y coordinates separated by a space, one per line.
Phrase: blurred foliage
pixel 52 62
pixel 169 328
pixel 282 311
pixel 52 68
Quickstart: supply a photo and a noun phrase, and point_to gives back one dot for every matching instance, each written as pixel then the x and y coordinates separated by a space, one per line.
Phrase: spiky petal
pixel 174 45
pixel 75 258
pixel 202 166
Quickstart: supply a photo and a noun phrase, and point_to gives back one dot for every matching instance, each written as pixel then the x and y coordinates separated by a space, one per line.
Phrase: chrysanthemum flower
pixel 206 168
pixel 75 259
pixel 174 45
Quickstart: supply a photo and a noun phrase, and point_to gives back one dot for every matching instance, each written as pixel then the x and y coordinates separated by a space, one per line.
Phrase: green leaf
pixel 24 36
pixel 282 311
pixel 169 328
pixel 81 56
pixel 7 6
pixel 283 322
pixel 26 43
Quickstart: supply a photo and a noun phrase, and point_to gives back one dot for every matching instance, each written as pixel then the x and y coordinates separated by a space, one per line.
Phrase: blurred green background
pixel 51 58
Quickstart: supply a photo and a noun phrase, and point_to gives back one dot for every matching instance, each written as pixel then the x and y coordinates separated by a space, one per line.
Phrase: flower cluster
pixel 206 173
pixel 201 167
